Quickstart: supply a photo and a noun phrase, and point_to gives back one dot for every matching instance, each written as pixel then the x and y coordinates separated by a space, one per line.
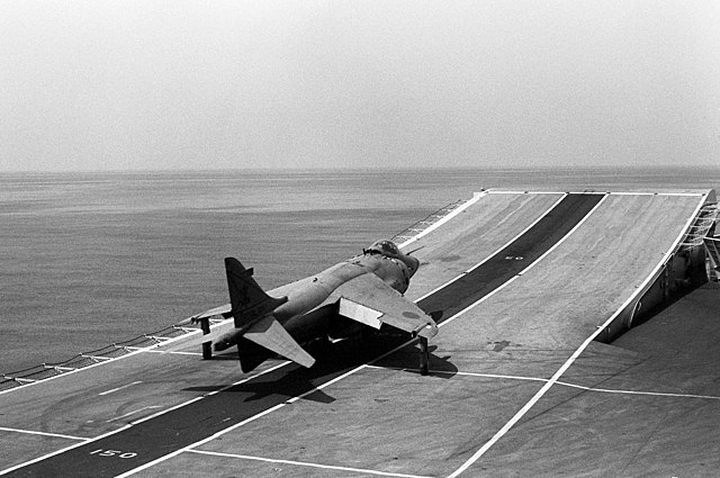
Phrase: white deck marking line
pixel 530 266
pixel 129 425
pixel 453 213
pixel 147 465
pixel 238 425
pixel 351 372
pixel 47 434
pixel 214 392
pixel 556 376
pixel 113 390
pixel 476 197
pixel 304 463
pixel 497 251
pixel 347 374
pixel 559 382
pixel 132 413
pixel 532 224
pixel 265 412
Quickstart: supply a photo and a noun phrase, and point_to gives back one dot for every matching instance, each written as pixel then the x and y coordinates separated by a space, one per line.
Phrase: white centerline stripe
pixel 292 400
pixel 238 425
pixel 133 413
pixel 347 374
pixel 530 266
pixel 107 360
pixel 304 463
pixel 165 344
pixel 47 434
pixel 113 390
pixel 497 251
pixel 129 425
pixel 554 379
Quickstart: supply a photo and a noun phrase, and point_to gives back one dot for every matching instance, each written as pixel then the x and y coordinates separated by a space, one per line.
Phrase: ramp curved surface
pixel 523 281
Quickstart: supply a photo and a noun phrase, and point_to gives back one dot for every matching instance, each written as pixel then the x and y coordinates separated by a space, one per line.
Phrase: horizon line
pixel 365 169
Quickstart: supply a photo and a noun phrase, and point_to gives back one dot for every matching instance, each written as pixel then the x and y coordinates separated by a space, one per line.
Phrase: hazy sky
pixel 95 85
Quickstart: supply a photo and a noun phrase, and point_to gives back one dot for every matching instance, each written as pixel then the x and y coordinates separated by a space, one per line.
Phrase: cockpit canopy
pixel 384 247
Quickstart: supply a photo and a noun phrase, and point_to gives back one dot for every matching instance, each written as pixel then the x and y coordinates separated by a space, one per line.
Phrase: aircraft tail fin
pixel 249 302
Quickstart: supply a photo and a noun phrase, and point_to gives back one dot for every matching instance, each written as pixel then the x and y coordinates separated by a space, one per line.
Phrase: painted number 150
pixel 117 453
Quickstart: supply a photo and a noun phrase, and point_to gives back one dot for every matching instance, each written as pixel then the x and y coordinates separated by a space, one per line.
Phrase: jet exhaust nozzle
pixel 227 341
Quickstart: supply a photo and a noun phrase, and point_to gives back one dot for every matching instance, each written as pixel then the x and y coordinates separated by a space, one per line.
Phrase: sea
pixel 92 258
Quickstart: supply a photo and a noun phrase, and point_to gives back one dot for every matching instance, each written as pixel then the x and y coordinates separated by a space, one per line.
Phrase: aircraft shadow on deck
pixel 334 360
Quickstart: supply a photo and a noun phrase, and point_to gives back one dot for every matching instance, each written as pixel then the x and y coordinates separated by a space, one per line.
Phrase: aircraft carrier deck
pixel 530 374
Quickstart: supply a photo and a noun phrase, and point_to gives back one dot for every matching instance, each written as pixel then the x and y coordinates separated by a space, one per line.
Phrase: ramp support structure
pixel 712 249
pixel 424 356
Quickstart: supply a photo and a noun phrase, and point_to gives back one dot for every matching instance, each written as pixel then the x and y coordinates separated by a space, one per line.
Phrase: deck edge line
pixel 563 368
pixel 476 197
pixel 497 251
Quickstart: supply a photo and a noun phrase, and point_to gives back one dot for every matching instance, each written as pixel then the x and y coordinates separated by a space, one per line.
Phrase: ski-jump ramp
pixel 525 286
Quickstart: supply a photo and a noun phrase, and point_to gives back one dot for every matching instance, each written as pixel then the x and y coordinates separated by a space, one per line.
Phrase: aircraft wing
pixel 369 300
pixel 270 334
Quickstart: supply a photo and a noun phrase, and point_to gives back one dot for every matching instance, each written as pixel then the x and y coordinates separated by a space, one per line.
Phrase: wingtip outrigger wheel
pixel 424 356
pixel 423 333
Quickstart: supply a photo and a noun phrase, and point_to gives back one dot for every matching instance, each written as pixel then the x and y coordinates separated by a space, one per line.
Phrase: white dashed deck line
pixel 353 371
pixel 149 407
pixel 107 360
pixel 129 425
pixel 455 212
pixel 165 343
pixel 308 464
pixel 113 390
pixel 477 455
pixel 239 424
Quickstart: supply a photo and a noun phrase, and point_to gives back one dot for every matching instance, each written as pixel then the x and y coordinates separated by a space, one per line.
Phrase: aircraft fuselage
pixel 308 314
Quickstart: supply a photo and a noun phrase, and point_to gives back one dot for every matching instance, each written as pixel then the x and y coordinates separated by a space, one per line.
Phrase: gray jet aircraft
pixel 367 289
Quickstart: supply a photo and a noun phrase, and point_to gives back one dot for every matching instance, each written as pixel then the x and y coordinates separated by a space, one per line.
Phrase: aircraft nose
pixel 412 263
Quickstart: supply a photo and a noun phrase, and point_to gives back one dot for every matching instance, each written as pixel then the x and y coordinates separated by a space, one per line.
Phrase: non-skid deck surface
pixel 519 281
